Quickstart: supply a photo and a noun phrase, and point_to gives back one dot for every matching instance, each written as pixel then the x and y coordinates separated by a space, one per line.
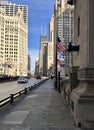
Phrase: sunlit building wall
pixel 51 47
pixel 15 52
pixel 15 57
pixel 2 21
pixel 12 9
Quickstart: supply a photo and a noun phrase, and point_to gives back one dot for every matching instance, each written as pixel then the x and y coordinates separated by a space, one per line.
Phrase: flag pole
pixel 56 66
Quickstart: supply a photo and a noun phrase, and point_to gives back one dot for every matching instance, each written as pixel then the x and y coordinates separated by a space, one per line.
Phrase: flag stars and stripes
pixel 60 45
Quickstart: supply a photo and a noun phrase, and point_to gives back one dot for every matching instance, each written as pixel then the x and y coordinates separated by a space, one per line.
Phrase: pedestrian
pixel 51 77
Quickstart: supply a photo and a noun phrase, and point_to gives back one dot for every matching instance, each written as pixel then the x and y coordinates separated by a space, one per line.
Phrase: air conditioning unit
pixel 71 2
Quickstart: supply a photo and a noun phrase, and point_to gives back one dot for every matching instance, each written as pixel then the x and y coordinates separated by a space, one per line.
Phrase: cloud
pixel 34 53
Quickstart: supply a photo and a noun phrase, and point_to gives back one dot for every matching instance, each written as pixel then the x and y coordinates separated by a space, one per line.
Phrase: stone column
pixel 82 97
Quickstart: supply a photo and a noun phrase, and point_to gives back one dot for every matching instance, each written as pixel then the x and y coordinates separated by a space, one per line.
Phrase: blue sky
pixel 39 15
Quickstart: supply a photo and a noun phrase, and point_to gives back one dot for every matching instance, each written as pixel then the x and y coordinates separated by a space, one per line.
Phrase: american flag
pixel 60 45
pixel 61 56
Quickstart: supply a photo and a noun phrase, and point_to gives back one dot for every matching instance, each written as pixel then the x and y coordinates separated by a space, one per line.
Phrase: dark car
pixel 22 80
pixel 38 77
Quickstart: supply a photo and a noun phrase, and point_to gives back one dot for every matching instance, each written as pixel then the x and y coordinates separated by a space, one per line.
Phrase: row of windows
pixel 11 49
pixel 11 52
pixel 11 36
pixel 9 43
pixel 12 59
pixel 11 39
pixel 11 32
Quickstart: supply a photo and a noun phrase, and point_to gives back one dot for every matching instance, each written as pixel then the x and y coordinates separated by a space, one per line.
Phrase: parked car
pixel 22 80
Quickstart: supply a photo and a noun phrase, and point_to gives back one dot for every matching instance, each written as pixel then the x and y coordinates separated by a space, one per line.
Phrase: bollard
pixel 59 82
pixel 19 93
pixel 11 98
pixel 25 90
pixel 79 125
pixel 31 87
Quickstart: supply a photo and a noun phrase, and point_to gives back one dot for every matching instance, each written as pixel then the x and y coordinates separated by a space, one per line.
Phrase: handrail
pixel 11 98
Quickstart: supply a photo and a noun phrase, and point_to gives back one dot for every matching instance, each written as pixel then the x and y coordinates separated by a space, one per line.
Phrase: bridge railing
pixel 12 97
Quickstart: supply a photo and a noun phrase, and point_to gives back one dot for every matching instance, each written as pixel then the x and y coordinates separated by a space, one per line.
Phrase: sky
pixel 39 15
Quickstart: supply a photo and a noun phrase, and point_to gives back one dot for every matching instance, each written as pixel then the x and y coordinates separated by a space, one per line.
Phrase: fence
pixel 12 97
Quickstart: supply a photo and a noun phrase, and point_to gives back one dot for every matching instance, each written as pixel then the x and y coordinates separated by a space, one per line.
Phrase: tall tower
pixel 42 40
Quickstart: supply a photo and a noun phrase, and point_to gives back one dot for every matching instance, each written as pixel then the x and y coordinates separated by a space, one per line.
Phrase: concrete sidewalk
pixel 41 109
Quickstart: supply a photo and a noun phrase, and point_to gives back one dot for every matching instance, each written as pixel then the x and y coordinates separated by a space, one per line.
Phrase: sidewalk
pixel 41 109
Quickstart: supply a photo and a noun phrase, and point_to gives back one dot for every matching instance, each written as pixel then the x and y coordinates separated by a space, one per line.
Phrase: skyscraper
pixel 42 40
pixel 14 39
pixel 63 20
pixel 12 9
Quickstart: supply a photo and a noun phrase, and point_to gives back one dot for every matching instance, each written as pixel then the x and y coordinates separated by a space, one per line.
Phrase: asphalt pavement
pixel 41 109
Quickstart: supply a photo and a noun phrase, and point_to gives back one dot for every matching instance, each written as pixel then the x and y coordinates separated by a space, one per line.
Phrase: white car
pixel 22 80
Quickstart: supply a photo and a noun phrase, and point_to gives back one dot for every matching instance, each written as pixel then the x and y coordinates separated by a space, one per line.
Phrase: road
pixel 8 88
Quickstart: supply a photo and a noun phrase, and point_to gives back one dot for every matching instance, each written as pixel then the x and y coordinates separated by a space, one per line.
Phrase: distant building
pixel 45 58
pixel 42 40
pixel 51 47
pixel 29 63
pixel 37 66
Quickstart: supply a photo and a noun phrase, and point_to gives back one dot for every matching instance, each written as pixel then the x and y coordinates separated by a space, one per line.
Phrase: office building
pixel 63 24
pixel 14 43
pixel 12 9
pixel 42 40
pixel 2 21
pixel 51 47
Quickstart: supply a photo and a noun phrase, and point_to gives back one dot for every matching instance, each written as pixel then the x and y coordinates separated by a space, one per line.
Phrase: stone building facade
pixel 82 97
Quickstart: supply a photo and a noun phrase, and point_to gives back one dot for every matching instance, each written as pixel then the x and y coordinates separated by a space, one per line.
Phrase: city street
pixel 42 109
pixel 8 88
